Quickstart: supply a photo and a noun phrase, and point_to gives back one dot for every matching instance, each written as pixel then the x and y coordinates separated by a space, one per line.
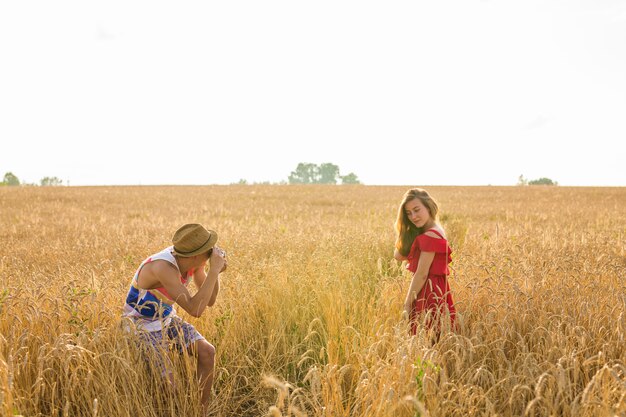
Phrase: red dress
pixel 435 296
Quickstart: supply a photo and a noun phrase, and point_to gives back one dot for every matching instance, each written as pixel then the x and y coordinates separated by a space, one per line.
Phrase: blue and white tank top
pixel 152 309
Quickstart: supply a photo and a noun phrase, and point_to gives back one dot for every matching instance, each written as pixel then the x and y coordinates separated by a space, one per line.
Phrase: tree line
pixel 309 173
pixel 540 181
pixel 11 180
pixel 326 173
pixel 305 173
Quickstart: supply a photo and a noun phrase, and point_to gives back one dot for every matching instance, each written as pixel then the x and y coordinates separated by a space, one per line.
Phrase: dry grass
pixel 308 320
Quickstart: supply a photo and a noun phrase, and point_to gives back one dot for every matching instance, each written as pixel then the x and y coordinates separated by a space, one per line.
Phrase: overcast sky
pixel 463 92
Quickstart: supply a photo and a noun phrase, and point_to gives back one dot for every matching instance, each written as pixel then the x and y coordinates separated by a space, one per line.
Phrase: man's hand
pixel 218 260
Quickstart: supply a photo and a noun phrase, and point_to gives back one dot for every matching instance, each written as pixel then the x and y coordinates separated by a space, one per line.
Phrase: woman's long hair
pixel 407 231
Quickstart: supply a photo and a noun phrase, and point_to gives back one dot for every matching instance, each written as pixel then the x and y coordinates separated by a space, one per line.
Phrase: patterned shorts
pixel 178 335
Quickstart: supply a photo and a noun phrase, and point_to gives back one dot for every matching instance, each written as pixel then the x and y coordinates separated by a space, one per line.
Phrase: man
pixel 161 281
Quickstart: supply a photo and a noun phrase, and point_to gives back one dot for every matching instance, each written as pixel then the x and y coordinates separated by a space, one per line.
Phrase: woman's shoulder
pixel 436 232
pixel 433 240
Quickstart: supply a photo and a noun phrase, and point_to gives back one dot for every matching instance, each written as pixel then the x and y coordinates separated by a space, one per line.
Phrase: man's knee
pixel 206 352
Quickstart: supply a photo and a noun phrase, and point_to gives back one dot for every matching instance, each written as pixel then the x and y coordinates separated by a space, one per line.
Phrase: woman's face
pixel 417 212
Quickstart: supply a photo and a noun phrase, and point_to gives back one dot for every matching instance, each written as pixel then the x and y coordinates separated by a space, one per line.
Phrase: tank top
pixel 150 310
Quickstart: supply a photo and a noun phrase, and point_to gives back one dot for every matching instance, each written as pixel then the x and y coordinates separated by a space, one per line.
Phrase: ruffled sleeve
pixel 425 243
pixel 432 244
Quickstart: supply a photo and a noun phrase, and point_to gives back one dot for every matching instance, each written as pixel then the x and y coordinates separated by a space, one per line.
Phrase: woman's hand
pixel 398 256
pixel 408 306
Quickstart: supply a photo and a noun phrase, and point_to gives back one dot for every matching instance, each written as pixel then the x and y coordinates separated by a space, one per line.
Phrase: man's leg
pixel 205 352
pixel 197 345
pixel 155 352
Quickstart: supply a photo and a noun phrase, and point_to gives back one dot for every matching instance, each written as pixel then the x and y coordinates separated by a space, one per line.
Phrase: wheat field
pixel 308 320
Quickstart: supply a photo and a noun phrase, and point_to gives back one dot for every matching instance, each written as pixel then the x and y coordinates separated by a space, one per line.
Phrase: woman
pixel 422 242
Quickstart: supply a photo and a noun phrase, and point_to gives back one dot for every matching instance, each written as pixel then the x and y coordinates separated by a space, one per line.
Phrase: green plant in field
pixel 222 320
pixel 4 294
pixel 73 303
pixel 421 366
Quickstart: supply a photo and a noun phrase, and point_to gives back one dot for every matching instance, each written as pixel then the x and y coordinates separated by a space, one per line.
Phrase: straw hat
pixel 193 239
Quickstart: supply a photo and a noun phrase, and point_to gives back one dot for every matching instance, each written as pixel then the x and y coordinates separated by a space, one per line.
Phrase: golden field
pixel 308 318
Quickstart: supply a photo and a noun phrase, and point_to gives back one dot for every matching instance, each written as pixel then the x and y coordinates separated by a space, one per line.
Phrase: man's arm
pixel 195 305
pixel 199 277
pixel 216 290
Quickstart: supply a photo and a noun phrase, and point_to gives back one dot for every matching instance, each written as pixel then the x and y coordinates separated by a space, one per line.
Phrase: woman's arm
pixel 419 279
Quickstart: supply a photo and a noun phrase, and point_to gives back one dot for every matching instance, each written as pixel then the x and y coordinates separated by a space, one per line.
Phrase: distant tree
pixel 305 173
pixel 522 181
pixel 351 178
pixel 50 181
pixel 328 173
pixel 543 181
pixel 10 179
pixel 242 182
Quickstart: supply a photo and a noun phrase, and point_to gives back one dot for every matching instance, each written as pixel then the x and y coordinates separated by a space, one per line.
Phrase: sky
pixel 465 92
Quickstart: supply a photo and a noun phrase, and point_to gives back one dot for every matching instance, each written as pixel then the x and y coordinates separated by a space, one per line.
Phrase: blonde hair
pixel 407 231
